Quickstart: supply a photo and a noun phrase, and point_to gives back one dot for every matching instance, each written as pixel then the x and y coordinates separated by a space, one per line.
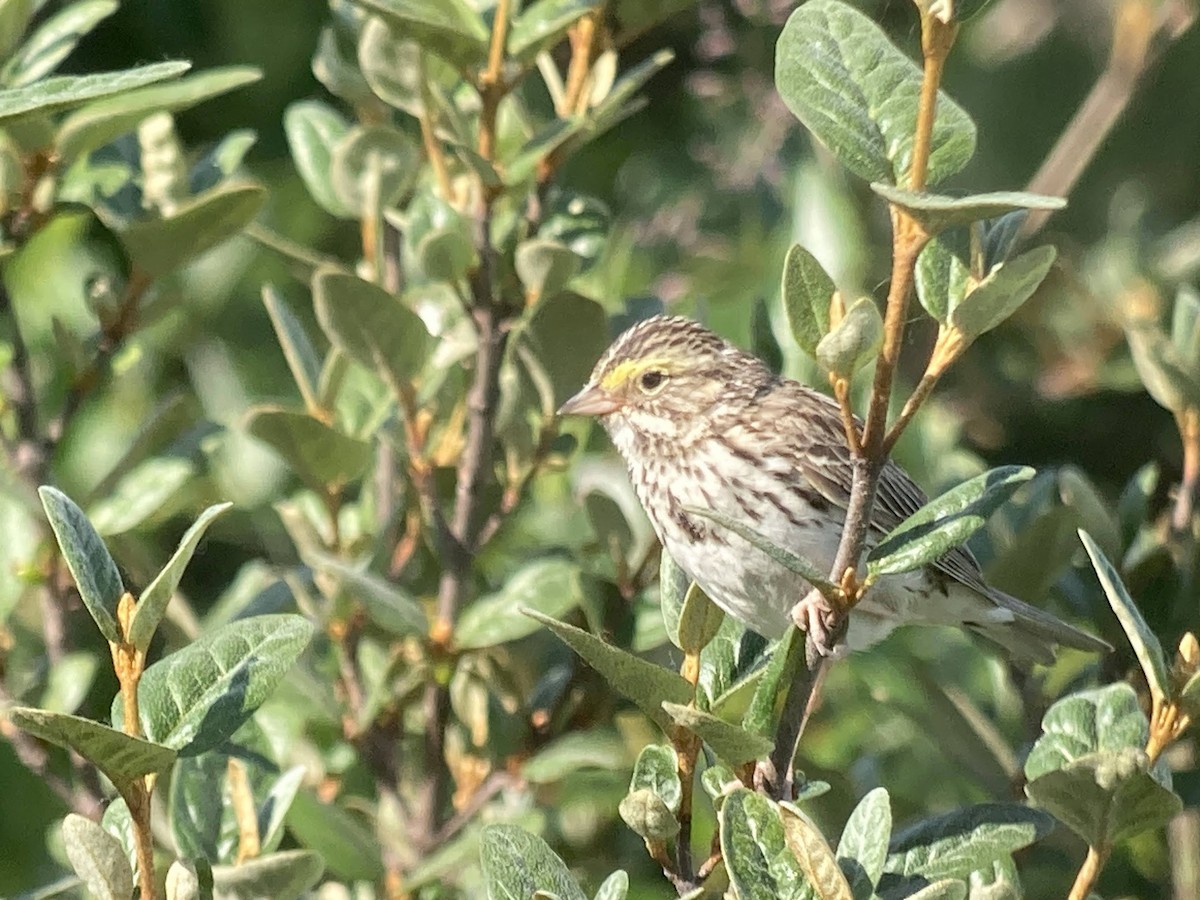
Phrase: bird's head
pixel 658 376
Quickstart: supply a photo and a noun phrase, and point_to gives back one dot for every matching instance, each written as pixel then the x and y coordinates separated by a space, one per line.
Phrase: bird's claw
pixel 816 617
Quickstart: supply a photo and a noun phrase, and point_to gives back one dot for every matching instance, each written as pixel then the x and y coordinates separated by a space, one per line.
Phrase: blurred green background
pixel 708 187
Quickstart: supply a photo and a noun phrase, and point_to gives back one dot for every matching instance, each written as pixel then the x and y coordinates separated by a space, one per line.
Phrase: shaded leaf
pixel 643 682
pixel 699 620
pixel 91 565
pixel 450 28
pixel 144 493
pixel 840 75
pixel 594 748
pixel 348 847
pixel 1106 797
pixel 121 757
pixel 657 771
pixel 760 865
pixel 545 267
pixel 387 604
pixel 762 714
pixel 370 325
pixel 1087 722
pixel 371 168
pixel 321 456
pixel 673 586
pixel 946 522
pixel 301 356
pixel 647 815
pixel 152 605
pixel 551 587
pixel 201 694
pixel 942 278
pixel 159 246
pixel 614 887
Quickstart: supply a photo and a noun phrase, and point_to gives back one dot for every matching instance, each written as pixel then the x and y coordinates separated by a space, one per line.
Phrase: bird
pixel 703 425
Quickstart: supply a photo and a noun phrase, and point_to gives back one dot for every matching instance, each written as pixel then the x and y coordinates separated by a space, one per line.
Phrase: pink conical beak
pixel 593 400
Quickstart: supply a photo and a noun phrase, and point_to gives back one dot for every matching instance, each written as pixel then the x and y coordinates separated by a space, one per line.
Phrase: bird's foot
pixel 824 625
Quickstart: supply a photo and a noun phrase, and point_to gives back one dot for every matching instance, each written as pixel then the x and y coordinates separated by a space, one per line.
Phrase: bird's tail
pixel 1031 633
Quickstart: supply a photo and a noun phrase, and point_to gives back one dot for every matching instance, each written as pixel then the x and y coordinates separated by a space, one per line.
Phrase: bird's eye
pixel 652 380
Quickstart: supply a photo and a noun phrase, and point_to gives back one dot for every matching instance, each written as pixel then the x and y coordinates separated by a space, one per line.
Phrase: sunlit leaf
pixel 517 863
pixel 807 291
pixel 97 858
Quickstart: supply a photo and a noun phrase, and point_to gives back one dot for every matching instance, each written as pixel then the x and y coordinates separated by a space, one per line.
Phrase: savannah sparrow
pixel 702 424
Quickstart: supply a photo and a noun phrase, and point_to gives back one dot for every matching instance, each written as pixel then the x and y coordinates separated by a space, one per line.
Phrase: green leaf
pixel 646 684
pixel 945 523
pixel 854 341
pixel 386 604
pixel 543 24
pixel 760 865
pixel 594 748
pixel 657 771
pixel 450 28
pixel 68 682
pixel 15 16
pixel 567 334
pixel 635 17
pixel 804 568
pixel 1164 374
pixel 814 855
pixel 313 129
pixel 97 858
pixel 648 816
pixel 1185 328
pixel 370 325
pixel 1088 722
pixel 955 844
pixel 1002 292
pixel 673 587
pixel 807 291
pixel 730 742
pixel 54 41
pixel 119 823
pixel 142 494
pixel 942 279
pixel 517 864
pixel 54 94
pixel 159 246
pixel 198 696
pixel 1106 797
pixel 190 879
pixel 762 713
pixel 152 605
pixel 446 254
pixel 840 75
pixel 614 887
pixel 198 805
pixel 349 848
pixel 699 620
pixel 94 571
pixel 545 267
pixel 301 356
pixel 551 587
pixel 121 757
pixel 1144 642
pixel 321 456
pixel 371 168
pixel 937 212
pixel 945 889
pixel 101 122
pixel 222 161
pixel 863 849
pixel 281 876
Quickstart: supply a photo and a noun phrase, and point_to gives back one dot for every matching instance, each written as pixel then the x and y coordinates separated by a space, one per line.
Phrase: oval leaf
pixel 198 696
pixel 54 40
pixel 551 587
pixel 313 129
pixel 280 876
pixel 54 94
pixel 321 456
pixel 937 212
pixel 1002 292
pixel 730 742
pixel 517 864
pixel 699 620
pixel 863 849
pixel 855 340
pixel 753 846
pixel 814 855
pixel 97 858
pixel 840 75
pixel 807 292
pixel 385 603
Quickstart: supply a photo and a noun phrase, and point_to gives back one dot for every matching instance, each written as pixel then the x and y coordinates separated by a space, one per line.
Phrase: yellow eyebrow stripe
pixel 624 372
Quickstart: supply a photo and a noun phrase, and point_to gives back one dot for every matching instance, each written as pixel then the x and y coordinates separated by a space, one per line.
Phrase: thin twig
pixel 1085 880
pixel 1185 500
pixel 1140 35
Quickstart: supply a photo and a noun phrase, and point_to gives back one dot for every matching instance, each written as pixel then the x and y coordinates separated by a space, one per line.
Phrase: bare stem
pixel 1088 873
pixel 1140 34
